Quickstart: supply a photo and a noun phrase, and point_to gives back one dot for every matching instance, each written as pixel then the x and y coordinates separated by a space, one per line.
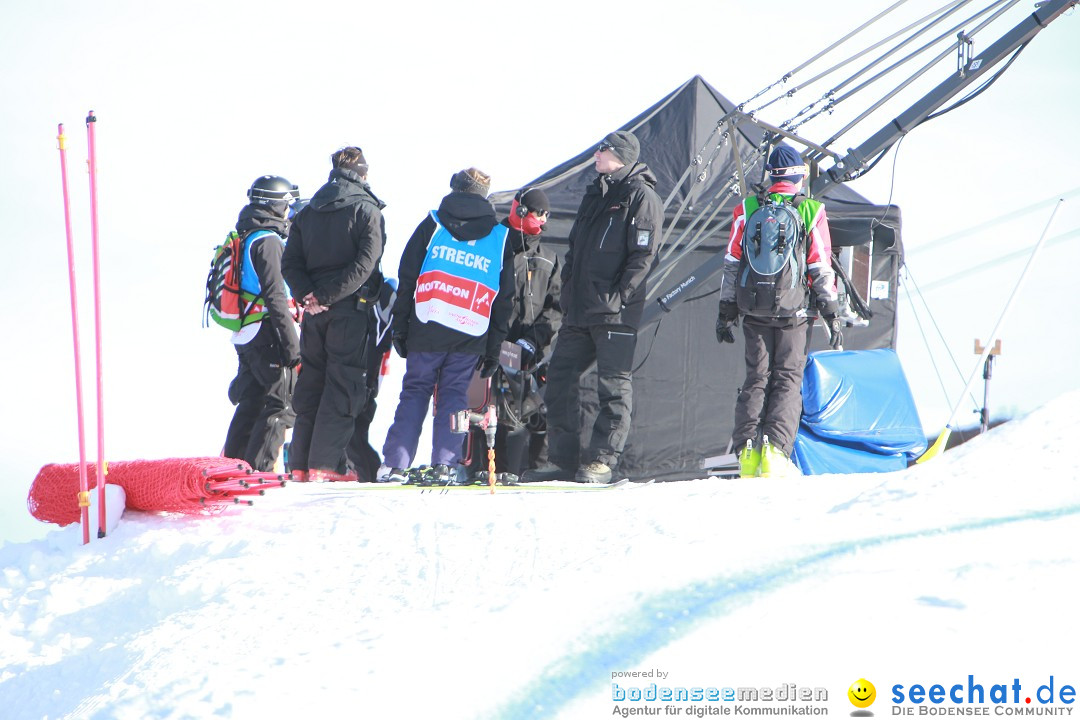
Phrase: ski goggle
pixel 794 170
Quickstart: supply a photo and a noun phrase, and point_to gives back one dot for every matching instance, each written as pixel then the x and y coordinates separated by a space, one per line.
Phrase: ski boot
pixel 501 478
pixel 443 475
pixel 749 461
pixel 774 463
pixel 416 476
pixel 391 475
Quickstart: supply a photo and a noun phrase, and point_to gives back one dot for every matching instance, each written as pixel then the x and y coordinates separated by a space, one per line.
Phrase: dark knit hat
pixel 534 199
pixel 471 180
pixel 784 157
pixel 350 158
pixel 625 145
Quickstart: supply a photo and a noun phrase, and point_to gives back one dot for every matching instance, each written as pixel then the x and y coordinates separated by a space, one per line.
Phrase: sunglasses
pixel 603 147
pixel 540 213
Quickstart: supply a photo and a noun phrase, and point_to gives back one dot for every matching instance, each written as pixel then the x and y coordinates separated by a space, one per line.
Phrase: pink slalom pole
pixel 91 121
pixel 84 489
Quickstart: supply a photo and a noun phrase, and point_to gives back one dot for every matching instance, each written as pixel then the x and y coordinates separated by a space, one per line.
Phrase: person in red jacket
pixel 776 327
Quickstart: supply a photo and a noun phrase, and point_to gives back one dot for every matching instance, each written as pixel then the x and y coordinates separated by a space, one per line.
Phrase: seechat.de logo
pixel 862 695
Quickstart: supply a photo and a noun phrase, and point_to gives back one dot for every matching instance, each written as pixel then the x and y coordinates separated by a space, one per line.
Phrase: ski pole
pixel 84 488
pixel 939 445
pixel 91 121
pixel 491 425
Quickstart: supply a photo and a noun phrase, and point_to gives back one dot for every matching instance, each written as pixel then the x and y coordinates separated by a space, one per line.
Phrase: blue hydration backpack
pixel 771 280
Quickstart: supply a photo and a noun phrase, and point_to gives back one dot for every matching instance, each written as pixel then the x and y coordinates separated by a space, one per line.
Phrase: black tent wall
pixel 685 383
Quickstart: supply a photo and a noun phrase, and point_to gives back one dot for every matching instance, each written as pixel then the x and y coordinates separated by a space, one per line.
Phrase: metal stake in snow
pixel 91 121
pixel 939 445
pixel 84 489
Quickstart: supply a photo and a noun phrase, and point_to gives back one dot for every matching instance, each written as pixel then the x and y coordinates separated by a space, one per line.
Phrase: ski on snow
pixel 543 488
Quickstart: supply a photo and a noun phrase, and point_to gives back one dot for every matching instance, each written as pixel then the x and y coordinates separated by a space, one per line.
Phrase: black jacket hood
pixel 344 188
pixel 268 216
pixel 467 216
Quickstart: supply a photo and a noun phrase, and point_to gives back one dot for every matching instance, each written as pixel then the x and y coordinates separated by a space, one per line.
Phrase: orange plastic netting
pixel 186 485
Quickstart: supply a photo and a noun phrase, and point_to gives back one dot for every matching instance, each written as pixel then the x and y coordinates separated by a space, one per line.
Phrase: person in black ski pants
pixel 534 322
pixel 769 405
pixel 334 249
pixel 365 459
pixel 612 250
pixel 268 349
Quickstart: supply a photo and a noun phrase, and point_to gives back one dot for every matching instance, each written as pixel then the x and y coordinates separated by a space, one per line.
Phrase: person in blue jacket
pixel 268 350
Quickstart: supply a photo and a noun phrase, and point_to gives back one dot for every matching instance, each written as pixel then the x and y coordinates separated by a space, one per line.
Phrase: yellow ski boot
pixel 774 463
pixel 749 460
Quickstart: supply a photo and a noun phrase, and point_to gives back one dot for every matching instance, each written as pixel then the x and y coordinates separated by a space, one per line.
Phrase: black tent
pixel 684 382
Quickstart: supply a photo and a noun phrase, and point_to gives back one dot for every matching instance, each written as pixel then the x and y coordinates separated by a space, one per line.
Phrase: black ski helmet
pixel 272 187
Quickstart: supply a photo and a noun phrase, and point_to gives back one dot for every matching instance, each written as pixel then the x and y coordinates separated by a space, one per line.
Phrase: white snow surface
pixel 335 601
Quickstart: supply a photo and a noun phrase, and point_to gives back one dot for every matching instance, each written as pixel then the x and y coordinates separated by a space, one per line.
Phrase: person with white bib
pixel 455 294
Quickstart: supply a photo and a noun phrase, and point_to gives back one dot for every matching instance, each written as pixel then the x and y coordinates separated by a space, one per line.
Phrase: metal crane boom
pixel 851 164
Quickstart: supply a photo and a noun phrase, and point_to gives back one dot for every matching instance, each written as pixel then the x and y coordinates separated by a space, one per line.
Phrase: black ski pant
pixel 520 411
pixel 261 391
pixel 611 347
pixel 770 400
pixel 331 390
pixel 510 450
pixel 364 458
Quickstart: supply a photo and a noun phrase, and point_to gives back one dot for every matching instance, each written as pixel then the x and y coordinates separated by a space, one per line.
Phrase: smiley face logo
pixel 862 693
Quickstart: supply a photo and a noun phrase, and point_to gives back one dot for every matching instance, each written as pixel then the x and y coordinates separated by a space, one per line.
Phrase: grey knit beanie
pixel 471 180
pixel 625 145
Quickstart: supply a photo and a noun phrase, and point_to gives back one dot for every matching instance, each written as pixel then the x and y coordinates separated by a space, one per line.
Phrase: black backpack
pixel 771 280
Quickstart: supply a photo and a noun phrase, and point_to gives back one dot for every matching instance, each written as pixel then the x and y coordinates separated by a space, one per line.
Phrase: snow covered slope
pixel 328 601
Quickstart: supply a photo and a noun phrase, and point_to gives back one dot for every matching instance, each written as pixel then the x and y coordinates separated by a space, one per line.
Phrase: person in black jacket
pixel 334 249
pixel 365 459
pixel 612 250
pixel 269 349
pixel 534 322
pixel 455 289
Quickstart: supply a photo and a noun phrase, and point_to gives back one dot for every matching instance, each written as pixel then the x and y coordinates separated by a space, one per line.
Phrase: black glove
pixel 528 353
pixel 729 310
pixel 724 333
pixel 828 308
pixel 398 341
pixel 836 337
pixel 292 362
pixel 727 319
pixel 487 365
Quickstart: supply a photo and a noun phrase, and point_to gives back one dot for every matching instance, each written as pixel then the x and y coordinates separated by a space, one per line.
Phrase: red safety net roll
pixel 185 485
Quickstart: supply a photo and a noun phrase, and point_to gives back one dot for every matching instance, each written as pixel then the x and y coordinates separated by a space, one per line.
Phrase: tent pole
pixel 939 446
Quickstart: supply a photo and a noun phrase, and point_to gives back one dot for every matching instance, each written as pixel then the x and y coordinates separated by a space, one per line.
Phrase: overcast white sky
pixel 196 100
